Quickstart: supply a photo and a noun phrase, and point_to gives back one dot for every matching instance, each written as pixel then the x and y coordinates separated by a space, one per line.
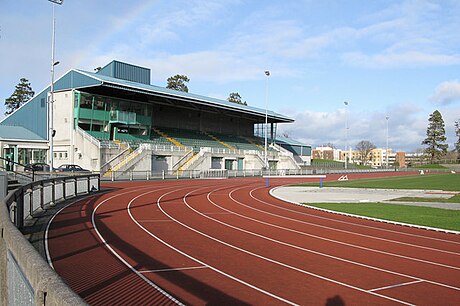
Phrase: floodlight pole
pixel 346 134
pixel 51 99
pixel 267 73
pixel 387 118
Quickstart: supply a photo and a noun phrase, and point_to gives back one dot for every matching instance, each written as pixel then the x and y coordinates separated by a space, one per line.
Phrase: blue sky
pixel 386 58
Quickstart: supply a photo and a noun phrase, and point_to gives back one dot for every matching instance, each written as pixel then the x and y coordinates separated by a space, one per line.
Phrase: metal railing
pixel 25 276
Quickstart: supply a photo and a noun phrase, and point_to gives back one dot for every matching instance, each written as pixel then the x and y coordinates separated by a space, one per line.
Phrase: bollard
pixel 320 182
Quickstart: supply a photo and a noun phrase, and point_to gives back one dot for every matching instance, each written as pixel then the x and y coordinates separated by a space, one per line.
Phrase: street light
pixel 346 133
pixel 387 118
pixel 51 100
pixel 267 73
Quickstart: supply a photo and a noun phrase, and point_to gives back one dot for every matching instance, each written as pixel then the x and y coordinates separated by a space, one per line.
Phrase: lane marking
pixel 343 231
pixel 107 245
pixel 312 251
pixel 172 269
pixel 340 221
pixel 397 285
pixel 329 239
pixel 193 258
pixel 153 221
pixel 272 260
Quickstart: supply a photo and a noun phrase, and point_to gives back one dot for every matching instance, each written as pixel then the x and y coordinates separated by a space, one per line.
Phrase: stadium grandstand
pixel 114 120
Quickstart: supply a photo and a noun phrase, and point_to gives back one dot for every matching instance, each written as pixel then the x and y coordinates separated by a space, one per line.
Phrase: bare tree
pixel 364 147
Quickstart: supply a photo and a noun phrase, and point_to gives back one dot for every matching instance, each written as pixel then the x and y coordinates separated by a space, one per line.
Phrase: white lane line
pixel 397 285
pixel 269 259
pixel 331 240
pixel 312 251
pixel 193 258
pixel 344 231
pixel 153 221
pixel 172 269
pixel 47 252
pixel 107 245
pixel 346 222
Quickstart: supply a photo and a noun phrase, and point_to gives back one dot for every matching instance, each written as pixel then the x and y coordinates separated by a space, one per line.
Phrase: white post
pixel 267 73
pixel 387 117
pixel 51 100
pixel 346 134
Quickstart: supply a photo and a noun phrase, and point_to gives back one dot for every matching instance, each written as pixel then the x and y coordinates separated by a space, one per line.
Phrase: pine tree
pixel 21 95
pixel 236 98
pixel 436 136
pixel 457 144
pixel 177 82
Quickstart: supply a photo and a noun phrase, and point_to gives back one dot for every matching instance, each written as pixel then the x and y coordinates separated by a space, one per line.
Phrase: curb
pixel 364 217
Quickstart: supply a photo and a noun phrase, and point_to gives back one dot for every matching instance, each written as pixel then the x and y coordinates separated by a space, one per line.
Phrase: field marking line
pixel 107 245
pixel 397 285
pixel 350 223
pixel 271 192
pixel 330 239
pixel 196 259
pixel 172 269
pixel 272 260
pixel 315 252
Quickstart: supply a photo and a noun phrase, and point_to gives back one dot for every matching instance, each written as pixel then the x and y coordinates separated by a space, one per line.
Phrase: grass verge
pixel 425 216
pixel 454 199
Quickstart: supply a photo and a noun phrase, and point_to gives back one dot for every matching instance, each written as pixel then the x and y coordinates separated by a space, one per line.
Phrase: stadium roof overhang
pixel 105 85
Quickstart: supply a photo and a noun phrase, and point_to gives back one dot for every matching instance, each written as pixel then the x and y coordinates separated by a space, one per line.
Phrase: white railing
pixel 88 137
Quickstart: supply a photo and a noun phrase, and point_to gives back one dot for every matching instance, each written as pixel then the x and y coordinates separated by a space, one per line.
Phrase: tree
pixel 177 82
pixel 235 98
pixel 457 144
pixel 364 147
pixel 21 95
pixel 436 136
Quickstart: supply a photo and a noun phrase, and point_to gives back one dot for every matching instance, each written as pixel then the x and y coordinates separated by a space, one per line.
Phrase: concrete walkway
pixel 356 195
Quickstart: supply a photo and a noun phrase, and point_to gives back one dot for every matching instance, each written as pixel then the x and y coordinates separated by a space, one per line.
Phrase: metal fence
pixel 25 277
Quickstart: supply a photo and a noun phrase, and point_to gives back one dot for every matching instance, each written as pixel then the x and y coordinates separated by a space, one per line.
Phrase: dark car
pixel 37 167
pixel 71 168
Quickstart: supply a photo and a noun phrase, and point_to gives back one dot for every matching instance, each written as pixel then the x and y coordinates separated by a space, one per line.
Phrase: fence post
pixel 42 196
pixel 76 185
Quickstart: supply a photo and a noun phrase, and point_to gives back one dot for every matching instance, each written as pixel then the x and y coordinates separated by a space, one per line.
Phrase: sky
pixel 396 59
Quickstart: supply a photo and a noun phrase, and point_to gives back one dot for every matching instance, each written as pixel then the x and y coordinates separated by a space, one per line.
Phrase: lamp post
pixel 51 99
pixel 267 73
pixel 387 118
pixel 346 133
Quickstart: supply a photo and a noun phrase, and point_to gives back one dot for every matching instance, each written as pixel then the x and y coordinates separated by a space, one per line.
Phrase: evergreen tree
pixel 235 98
pixel 436 136
pixel 177 82
pixel 457 132
pixel 21 95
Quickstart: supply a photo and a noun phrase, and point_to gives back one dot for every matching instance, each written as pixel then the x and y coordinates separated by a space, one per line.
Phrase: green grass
pixel 447 182
pixel 425 216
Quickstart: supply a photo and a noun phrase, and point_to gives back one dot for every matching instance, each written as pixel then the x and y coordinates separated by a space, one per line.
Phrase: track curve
pixel 230 242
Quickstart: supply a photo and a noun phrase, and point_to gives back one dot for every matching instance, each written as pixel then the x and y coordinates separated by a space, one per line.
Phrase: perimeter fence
pixel 25 276
pixel 223 173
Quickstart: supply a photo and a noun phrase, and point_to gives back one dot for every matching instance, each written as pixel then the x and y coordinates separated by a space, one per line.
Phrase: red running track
pixel 229 242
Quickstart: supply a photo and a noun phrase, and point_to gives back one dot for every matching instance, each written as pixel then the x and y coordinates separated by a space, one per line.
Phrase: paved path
pixel 354 195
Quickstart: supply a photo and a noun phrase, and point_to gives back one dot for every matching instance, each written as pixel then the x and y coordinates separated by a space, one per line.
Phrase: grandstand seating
pixel 179 137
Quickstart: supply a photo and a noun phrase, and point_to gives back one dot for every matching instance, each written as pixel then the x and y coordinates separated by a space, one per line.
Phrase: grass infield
pixel 425 216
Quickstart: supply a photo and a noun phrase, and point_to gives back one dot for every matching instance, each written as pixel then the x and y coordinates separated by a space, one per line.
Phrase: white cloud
pixel 406 127
pixel 447 93
pixel 402 59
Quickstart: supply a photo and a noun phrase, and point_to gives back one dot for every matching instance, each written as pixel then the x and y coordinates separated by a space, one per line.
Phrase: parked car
pixel 71 168
pixel 37 167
